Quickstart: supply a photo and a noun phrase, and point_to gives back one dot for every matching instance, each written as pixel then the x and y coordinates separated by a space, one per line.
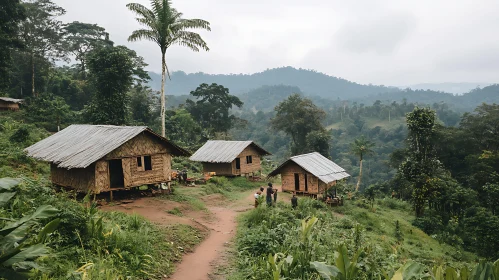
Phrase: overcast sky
pixel 392 42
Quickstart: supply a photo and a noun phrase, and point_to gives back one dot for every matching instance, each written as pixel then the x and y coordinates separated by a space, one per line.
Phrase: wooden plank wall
pixel 80 179
pixel 218 168
pixel 156 175
pixel 4 105
pixel 247 168
pixel 288 179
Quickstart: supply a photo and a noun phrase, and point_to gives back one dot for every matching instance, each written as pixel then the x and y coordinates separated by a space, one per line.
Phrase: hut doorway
pixel 238 163
pixel 297 182
pixel 306 183
pixel 116 177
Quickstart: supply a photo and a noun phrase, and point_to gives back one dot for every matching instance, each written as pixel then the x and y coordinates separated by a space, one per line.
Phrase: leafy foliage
pixel 298 117
pixel 211 108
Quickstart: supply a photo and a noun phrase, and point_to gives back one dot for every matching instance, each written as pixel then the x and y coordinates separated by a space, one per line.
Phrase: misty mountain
pixel 464 102
pixel 455 88
pixel 309 81
pixel 266 98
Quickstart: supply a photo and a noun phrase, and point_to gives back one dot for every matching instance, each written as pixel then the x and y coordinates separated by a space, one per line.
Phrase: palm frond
pixel 140 34
pixel 140 10
pixel 191 40
pixel 184 24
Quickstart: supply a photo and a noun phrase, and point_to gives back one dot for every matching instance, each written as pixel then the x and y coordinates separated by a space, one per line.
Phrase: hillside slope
pixel 309 81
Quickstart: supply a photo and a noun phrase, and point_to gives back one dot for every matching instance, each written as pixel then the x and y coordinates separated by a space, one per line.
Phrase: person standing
pixel 275 196
pixel 184 175
pixel 257 195
pixel 270 192
pixel 294 201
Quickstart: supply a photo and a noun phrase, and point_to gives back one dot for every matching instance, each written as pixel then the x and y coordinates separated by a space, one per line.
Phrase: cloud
pixel 480 58
pixel 381 34
pixel 388 42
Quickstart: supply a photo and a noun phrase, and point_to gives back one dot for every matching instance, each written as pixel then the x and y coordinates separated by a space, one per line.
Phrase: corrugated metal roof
pixel 326 170
pixel 78 146
pixel 8 99
pixel 219 151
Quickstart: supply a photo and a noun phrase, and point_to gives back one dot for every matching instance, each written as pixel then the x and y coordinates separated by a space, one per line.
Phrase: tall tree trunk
pixel 33 74
pixel 360 177
pixel 163 105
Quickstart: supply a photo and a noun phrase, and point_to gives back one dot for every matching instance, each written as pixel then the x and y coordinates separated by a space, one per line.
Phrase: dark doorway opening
pixel 116 174
pixel 306 183
pixel 238 163
pixel 297 182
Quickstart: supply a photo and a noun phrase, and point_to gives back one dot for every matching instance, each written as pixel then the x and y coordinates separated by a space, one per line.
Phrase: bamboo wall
pixel 80 179
pixel 4 105
pixel 142 144
pixel 96 176
pixel 247 168
pixel 315 186
pixel 218 168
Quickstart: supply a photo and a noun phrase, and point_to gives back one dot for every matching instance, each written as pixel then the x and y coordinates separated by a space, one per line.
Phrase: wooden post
pixel 110 195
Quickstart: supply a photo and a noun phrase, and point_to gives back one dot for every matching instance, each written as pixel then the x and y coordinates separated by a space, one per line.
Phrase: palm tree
pixel 361 147
pixel 165 26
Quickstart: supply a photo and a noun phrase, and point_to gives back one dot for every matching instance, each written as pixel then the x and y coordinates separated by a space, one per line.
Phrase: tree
pixel 112 74
pixel 298 117
pixel 211 109
pixel 81 38
pixel 141 100
pixel 49 110
pixel 165 26
pixel 318 141
pixel 41 33
pixel 421 166
pixel 11 14
pixel 361 147
pixel 183 129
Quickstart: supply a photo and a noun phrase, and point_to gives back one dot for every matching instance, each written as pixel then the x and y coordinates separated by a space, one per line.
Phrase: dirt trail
pixel 219 220
pixel 199 264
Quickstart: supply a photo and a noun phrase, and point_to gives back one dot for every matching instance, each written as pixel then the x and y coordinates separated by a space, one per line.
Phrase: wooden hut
pixel 101 158
pixel 230 158
pixel 11 104
pixel 309 174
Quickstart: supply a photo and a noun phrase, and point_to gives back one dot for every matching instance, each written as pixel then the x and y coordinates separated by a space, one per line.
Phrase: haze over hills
pixel 264 90
pixel 309 81
pixel 455 88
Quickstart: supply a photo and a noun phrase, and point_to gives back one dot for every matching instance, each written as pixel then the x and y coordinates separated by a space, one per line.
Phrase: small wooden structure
pixel 101 158
pixel 10 104
pixel 230 158
pixel 309 174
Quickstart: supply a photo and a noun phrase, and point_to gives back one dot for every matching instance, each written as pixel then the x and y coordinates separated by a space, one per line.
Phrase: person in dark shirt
pixel 184 175
pixel 294 201
pixel 270 192
pixel 275 196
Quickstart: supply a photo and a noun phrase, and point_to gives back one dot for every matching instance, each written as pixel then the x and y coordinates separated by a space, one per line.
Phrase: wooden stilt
pixel 110 195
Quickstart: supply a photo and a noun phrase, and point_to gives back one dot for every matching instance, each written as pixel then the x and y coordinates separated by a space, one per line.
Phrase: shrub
pixel 429 223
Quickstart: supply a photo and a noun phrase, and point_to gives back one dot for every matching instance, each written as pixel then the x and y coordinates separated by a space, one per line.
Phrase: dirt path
pixel 219 220
pixel 199 264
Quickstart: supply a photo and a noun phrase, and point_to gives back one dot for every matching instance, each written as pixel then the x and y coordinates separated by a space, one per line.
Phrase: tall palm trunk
pixel 163 105
pixel 33 75
pixel 360 177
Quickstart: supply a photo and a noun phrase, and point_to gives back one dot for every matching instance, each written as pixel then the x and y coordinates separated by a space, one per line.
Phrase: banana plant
pixel 482 271
pixel 278 264
pixel 17 251
pixel 344 268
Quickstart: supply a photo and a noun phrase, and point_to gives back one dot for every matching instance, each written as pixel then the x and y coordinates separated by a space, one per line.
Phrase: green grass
pixel 379 224
pixel 187 195
pixel 175 211
pixel 265 231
